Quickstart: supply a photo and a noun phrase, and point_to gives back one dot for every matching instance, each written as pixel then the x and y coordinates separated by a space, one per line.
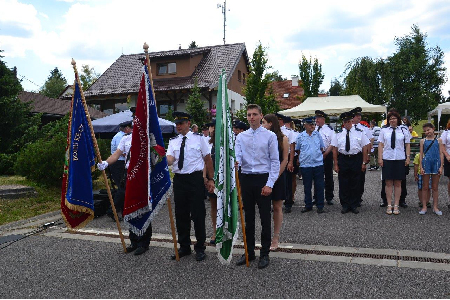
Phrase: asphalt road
pixel 56 264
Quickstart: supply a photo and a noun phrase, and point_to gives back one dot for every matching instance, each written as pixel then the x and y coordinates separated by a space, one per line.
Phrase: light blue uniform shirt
pixel 310 147
pixel 257 153
pixel 115 142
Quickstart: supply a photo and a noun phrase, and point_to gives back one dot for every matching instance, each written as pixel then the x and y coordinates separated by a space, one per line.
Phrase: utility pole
pixel 224 12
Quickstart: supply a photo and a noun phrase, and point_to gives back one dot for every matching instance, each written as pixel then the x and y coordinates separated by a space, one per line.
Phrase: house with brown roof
pixel 288 93
pixel 173 73
pixel 51 108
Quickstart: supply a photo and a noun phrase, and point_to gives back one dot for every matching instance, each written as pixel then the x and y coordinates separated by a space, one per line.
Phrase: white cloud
pixel 97 32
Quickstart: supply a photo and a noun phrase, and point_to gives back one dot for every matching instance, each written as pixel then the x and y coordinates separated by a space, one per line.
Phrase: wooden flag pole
pixel 97 153
pixel 169 204
pixel 238 185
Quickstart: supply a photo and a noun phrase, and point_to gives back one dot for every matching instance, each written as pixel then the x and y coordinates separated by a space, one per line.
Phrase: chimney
pixel 294 80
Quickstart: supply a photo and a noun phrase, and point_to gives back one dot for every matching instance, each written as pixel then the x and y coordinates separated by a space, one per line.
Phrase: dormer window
pixel 167 68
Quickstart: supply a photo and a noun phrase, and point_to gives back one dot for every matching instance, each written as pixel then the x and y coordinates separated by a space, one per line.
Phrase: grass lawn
pixel 47 200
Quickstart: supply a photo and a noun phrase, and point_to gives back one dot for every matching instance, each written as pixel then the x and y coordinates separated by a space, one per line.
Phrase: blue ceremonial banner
pixel 145 196
pixel 78 206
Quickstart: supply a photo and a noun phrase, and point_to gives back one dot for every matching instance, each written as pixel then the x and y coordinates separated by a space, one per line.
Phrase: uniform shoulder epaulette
pixel 357 129
pixel 197 133
pixel 127 134
pixel 174 137
pixel 330 126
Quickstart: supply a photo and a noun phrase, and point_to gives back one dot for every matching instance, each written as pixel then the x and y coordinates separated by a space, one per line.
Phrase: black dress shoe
pixel 263 262
pixel 355 210
pixel 241 260
pixel 140 250
pixel 345 210
pixel 306 209
pixel 403 204
pixel 287 210
pixel 320 211
pixel 181 252
pixel 383 204
pixel 131 248
pixel 200 255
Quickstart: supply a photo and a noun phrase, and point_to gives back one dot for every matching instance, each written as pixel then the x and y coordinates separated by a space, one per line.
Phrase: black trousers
pixel 119 197
pixel 141 241
pixel 361 183
pixel 117 169
pixel 189 194
pixel 403 194
pixel 349 173
pixel 251 186
pixel 329 183
pixel 137 241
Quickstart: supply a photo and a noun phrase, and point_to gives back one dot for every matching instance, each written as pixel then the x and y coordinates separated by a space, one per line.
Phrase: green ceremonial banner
pixel 225 177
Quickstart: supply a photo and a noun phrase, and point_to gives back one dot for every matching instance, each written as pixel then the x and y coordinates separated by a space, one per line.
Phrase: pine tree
pixel 194 106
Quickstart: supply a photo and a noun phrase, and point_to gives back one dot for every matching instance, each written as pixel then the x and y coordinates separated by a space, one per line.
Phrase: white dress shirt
pixel 257 153
pixel 445 137
pixel 195 149
pixel 365 129
pixel 401 138
pixel 357 141
pixel 327 134
pixel 124 146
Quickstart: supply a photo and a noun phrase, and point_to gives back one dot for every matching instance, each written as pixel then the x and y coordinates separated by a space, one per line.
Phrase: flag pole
pixel 169 204
pixel 238 185
pixel 97 153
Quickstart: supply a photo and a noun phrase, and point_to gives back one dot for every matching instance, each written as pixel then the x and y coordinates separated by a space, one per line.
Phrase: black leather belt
pixel 349 155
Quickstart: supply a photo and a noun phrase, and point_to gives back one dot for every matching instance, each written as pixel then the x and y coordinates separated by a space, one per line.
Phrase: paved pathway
pixel 369 255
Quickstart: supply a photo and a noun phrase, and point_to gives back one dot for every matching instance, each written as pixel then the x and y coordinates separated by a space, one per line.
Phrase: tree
pixel 275 76
pixel 16 122
pixel 88 76
pixel 258 81
pixel 369 79
pixel 9 84
pixel 193 45
pixel 55 84
pixel 311 75
pixel 336 88
pixel 417 74
pixel 194 106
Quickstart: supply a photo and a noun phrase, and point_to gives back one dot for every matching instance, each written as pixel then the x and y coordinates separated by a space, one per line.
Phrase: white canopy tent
pixel 443 108
pixel 332 105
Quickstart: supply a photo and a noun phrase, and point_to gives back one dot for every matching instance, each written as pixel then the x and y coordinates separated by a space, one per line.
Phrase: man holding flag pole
pixel 188 153
pixel 148 183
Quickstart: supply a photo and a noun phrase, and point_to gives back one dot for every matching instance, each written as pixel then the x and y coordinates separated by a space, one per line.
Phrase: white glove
pixel 102 165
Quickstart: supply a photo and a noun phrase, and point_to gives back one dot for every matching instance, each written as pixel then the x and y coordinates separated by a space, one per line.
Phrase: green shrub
pixel 7 163
pixel 43 161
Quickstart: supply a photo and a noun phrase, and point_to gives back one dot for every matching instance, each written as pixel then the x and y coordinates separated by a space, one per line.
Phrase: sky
pixel 39 35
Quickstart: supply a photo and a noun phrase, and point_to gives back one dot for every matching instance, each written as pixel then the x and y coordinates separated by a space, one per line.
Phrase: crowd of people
pixel 271 155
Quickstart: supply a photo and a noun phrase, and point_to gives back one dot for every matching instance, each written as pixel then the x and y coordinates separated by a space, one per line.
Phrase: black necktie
pixel 393 138
pixel 347 141
pixel 181 159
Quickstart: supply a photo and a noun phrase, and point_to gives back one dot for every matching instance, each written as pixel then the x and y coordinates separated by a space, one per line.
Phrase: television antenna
pixel 224 12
